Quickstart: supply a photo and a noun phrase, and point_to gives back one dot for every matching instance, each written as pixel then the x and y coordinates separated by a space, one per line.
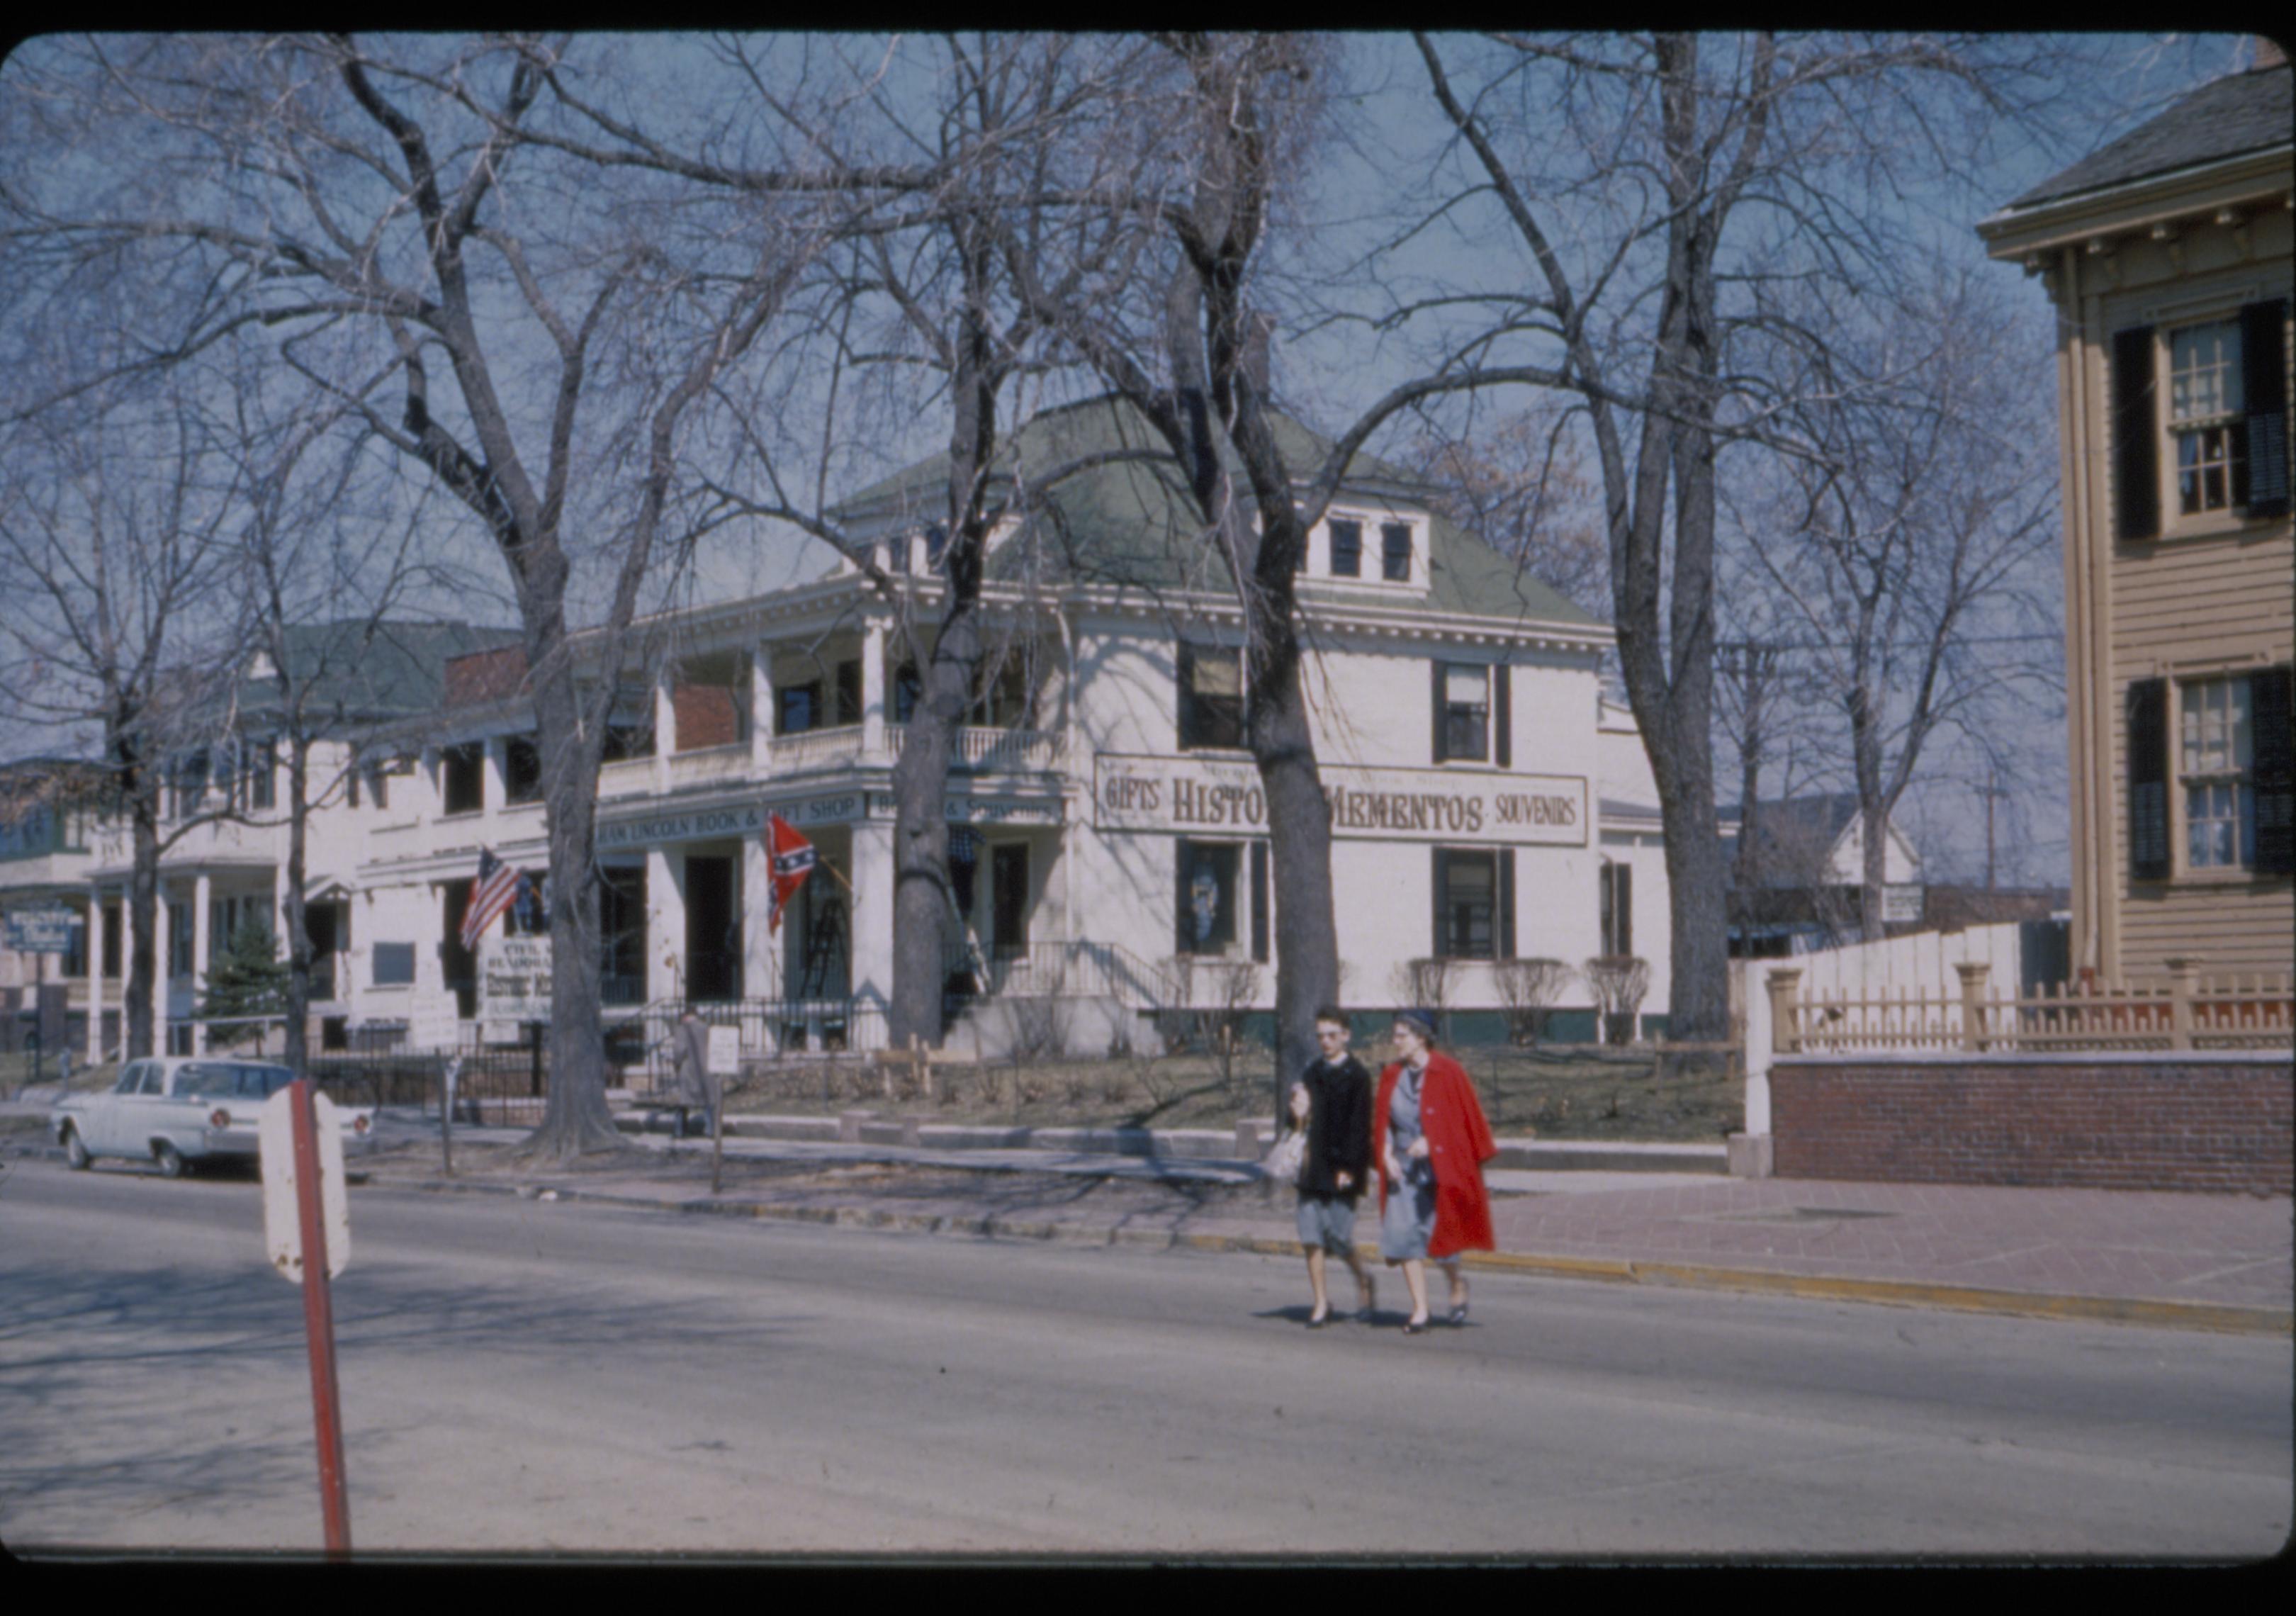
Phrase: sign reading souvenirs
pixel 43 930
pixel 514 979
pixel 1188 795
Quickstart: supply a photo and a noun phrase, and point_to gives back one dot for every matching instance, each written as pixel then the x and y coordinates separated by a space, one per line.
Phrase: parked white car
pixel 179 1109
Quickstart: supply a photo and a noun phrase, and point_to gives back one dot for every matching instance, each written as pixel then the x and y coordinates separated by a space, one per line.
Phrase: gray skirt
pixel 1407 1223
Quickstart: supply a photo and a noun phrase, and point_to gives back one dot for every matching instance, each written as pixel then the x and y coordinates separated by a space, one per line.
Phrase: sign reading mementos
pixel 1184 796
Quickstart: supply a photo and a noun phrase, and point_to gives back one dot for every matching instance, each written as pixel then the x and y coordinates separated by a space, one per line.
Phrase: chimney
pixel 1258 329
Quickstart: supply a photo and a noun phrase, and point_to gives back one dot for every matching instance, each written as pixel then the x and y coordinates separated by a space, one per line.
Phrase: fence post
pixel 1973 972
pixel 1785 1010
pixel 2182 975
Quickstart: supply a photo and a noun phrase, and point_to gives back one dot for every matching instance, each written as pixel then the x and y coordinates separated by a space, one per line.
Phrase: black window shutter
pixel 2135 433
pixel 2148 779
pixel 1609 921
pixel 1506 950
pixel 1185 667
pixel 2264 391
pixel 1622 906
pixel 1183 934
pixel 1441 948
pixel 1259 901
pixel 2274 771
pixel 1442 715
pixel 1503 719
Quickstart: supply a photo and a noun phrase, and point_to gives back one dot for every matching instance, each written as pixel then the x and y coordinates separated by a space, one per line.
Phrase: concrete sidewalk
pixel 2211 1262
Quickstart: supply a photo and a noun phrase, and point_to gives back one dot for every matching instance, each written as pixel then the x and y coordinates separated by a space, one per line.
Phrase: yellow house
pixel 2168 256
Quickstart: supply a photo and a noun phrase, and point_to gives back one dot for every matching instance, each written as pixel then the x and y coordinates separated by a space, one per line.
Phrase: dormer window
pixel 1395 553
pixel 1347 549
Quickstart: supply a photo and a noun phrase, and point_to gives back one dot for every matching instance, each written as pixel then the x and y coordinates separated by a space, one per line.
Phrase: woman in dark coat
pixel 1429 1138
pixel 1331 1101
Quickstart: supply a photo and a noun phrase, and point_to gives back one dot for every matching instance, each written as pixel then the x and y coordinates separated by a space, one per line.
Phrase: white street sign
pixel 282 1221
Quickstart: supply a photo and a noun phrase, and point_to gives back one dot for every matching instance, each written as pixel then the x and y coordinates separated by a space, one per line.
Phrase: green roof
pixel 378 671
pixel 1116 509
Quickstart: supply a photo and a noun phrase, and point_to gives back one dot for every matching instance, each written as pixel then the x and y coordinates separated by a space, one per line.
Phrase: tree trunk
pixel 144 906
pixel 574 1119
pixel 1866 744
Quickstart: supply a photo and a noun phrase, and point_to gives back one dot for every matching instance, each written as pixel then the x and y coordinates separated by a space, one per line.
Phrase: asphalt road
pixel 522 1375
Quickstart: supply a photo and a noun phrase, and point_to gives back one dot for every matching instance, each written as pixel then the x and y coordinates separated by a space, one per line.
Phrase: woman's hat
pixel 1420 1021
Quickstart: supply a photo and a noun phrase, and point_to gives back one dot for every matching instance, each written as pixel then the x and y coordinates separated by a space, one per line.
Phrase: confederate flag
pixel 793 862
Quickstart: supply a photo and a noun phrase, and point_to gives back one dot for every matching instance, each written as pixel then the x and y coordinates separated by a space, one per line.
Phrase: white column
pixel 95 975
pixel 665 937
pixel 162 970
pixel 665 727
pixel 873 689
pixel 873 911
pixel 757 900
pixel 762 697
pixel 200 945
pixel 494 775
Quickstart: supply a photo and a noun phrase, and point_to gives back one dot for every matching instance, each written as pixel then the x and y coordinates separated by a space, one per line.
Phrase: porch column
pixel 665 728
pixel 872 915
pixel 758 979
pixel 494 779
pixel 665 937
pixel 873 692
pixel 762 697
pixel 163 969
pixel 95 975
pixel 202 886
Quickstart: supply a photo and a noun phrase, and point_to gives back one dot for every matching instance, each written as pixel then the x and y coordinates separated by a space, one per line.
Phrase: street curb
pixel 2222 1318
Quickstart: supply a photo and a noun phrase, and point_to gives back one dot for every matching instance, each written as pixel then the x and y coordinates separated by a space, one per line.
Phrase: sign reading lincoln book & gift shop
pixel 1186 795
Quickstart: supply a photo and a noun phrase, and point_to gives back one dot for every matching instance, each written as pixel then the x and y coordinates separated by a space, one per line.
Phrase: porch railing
pixel 985 750
pixel 2183 1012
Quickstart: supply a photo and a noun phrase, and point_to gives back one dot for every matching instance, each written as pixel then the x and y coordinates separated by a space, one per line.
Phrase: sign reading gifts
pixel 1187 795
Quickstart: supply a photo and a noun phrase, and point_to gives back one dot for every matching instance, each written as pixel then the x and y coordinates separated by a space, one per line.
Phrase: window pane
pixel 1465 686
pixel 1471 885
pixel 1347 549
pixel 2204 372
pixel 1216 673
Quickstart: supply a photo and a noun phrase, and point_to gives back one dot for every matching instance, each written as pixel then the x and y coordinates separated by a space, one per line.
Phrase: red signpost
pixel 319 1325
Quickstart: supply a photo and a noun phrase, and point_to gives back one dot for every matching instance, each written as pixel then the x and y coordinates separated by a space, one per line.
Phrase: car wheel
pixel 171 1161
pixel 76 1151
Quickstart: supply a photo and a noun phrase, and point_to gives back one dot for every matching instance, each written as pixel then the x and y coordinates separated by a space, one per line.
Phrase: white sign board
pixel 1902 904
pixel 514 979
pixel 282 1217
pixel 44 930
pixel 725 1056
pixel 1185 796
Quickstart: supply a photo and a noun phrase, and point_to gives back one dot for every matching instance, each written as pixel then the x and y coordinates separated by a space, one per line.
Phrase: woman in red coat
pixel 1431 1141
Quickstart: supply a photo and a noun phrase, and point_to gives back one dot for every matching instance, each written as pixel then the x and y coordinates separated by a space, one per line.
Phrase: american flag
pixel 490 894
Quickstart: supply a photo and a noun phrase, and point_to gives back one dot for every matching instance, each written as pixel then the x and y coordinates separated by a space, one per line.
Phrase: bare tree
pixel 1521 486
pixel 1618 984
pixel 114 527
pixel 1657 185
pixel 1913 540
pixel 406 212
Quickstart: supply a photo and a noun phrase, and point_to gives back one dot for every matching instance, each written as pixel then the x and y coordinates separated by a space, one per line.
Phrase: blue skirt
pixel 1407 1223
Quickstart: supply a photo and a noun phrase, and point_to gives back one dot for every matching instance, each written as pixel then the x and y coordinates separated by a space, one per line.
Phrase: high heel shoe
pixel 1415 1326
pixel 1456 1315
pixel 1320 1317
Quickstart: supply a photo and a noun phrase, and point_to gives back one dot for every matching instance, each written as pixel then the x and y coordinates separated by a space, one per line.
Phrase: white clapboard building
pixel 1108 834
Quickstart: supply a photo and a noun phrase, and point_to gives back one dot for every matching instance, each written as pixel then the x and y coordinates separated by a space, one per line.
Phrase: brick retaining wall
pixel 2097 1122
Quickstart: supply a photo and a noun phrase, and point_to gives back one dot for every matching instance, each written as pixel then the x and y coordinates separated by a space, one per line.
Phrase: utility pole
pixel 1991 790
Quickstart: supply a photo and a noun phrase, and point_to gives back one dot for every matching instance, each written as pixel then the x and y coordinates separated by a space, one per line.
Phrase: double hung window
pixel 1474 903
pixel 1474 716
pixel 1211 697
pixel 2226 738
pixel 1347 549
pixel 1395 553
pixel 2200 422
pixel 1215 908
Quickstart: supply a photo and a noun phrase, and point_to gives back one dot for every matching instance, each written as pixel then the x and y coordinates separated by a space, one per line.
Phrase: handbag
pixel 1289 1156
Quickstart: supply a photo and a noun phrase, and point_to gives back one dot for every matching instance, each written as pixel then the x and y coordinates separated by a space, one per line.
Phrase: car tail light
pixel 219 1118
